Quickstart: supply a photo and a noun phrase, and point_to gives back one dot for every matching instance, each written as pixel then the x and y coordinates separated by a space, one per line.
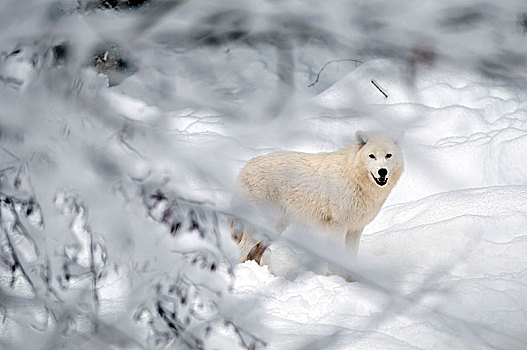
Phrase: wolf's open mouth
pixel 380 181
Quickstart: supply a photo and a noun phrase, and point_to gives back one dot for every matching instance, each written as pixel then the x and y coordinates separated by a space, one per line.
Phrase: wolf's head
pixel 379 158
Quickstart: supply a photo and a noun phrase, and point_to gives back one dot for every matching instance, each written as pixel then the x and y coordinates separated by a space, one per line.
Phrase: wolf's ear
pixel 361 138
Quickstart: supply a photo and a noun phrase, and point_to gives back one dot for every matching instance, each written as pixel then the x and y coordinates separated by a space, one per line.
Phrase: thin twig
pixel 17 263
pixel 93 272
pixel 378 88
pixel 178 329
pixel 9 152
pixel 328 63
pixel 239 332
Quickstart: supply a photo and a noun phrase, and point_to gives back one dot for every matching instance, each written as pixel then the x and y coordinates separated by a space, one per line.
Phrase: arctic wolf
pixel 337 193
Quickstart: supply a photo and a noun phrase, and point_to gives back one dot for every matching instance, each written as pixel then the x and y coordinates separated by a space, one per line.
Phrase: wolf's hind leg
pixel 246 243
pixel 259 249
pixel 250 249
pixel 236 231
pixel 257 252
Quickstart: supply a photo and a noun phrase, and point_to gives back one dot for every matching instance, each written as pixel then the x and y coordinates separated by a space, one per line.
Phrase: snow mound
pixel 461 279
pixel 440 86
pixel 462 130
pixel 451 235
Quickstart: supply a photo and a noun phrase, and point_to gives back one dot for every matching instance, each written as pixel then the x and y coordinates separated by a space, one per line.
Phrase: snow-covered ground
pixel 453 235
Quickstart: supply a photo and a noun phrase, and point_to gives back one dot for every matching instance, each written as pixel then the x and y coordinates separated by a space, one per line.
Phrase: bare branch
pixel 378 88
pixel 17 263
pixel 334 61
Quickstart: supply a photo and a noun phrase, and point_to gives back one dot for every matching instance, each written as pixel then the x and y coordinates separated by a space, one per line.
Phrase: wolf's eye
pixel 372 156
pixel 389 155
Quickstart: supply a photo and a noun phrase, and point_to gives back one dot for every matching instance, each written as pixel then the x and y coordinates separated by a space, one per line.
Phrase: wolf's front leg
pixel 352 242
pixel 340 241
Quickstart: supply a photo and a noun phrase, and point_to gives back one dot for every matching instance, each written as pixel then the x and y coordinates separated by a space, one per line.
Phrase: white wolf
pixel 337 193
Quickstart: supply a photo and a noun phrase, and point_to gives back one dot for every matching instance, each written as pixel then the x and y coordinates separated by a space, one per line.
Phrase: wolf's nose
pixel 383 172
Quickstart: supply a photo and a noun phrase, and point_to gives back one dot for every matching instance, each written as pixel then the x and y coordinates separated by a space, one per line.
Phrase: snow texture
pixel 452 235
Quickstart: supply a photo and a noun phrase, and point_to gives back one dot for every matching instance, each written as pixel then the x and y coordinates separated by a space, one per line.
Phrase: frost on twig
pixel 89 257
pixel 12 228
pixel 183 307
pixel 176 305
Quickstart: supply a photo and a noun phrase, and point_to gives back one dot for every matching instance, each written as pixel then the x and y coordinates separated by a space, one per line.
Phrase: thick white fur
pixel 331 192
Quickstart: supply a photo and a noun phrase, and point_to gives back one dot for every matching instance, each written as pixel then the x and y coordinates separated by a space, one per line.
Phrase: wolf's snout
pixel 383 177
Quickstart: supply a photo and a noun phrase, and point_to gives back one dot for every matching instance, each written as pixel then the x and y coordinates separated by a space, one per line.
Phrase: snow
pixel 453 232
